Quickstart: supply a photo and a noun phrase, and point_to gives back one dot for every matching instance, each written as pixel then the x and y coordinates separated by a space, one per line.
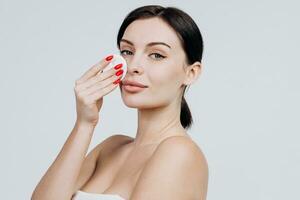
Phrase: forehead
pixel 144 31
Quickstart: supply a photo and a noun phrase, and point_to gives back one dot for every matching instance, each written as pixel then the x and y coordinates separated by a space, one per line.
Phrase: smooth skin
pixel 162 162
pixel 177 168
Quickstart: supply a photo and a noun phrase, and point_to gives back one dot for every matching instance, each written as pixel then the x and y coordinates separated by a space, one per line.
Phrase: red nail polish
pixel 108 58
pixel 117 81
pixel 118 73
pixel 118 66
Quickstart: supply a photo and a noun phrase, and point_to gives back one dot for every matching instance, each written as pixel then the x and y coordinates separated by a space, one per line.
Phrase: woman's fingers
pixel 102 84
pixel 97 78
pixel 99 90
pixel 104 91
pixel 94 70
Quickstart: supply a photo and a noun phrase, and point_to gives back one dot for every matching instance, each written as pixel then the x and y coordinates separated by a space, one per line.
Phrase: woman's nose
pixel 134 70
pixel 134 67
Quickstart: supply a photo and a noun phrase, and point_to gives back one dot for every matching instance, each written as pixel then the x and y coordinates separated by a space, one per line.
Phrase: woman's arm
pixel 60 179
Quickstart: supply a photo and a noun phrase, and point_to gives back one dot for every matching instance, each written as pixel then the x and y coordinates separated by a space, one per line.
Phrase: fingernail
pixel 118 73
pixel 108 58
pixel 118 66
pixel 117 81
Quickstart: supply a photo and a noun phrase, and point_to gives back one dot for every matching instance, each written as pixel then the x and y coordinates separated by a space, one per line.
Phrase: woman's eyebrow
pixel 149 44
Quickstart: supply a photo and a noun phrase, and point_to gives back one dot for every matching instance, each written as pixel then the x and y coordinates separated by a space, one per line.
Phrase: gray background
pixel 245 104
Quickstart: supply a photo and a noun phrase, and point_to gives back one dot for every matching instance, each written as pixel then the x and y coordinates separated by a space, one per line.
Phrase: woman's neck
pixel 154 125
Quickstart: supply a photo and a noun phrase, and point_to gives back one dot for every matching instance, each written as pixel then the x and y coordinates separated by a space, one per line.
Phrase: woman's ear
pixel 192 73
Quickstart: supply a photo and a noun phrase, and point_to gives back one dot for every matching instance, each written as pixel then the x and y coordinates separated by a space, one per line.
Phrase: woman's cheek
pixel 160 78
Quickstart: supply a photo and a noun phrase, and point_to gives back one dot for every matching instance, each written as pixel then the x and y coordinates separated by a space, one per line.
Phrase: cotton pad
pixel 117 59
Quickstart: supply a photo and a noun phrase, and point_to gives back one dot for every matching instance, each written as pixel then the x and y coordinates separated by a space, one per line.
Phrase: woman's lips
pixel 133 83
pixel 131 88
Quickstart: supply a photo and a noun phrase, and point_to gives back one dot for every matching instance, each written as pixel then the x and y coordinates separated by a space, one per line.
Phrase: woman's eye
pixel 125 51
pixel 157 55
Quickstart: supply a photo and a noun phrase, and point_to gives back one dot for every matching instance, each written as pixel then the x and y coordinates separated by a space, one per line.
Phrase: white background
pixel 245 104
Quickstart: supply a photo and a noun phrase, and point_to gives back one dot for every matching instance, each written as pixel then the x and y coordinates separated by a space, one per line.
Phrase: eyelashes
pixel 157 55
pixel 122 52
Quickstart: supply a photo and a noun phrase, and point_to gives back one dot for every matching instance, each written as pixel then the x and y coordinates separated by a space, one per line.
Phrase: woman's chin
pixel 135 103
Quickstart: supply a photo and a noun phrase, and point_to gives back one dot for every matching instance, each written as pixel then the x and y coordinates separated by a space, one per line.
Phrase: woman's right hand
pixel 90 89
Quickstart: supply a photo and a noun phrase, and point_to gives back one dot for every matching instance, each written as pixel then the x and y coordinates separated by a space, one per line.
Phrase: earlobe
pixel 192 73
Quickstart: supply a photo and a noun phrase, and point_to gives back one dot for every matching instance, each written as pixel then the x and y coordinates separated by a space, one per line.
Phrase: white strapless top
pixel 81 195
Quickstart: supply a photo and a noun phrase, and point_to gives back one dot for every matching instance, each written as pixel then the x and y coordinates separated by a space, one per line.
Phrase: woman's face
pixel 160 67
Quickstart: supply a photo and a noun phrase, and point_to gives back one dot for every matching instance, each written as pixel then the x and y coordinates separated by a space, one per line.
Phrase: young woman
pixel 163 49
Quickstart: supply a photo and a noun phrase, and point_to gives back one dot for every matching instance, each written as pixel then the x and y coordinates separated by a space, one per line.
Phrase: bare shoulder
pixel 181 148
pixel 177 159
pixel 114 141
pixel 119 138
pixel 183 151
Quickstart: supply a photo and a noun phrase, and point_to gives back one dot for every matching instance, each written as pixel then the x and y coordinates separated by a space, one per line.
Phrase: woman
pixel 163 49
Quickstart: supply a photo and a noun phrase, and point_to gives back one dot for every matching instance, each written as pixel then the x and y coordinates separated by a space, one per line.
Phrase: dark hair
pixel 188 33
